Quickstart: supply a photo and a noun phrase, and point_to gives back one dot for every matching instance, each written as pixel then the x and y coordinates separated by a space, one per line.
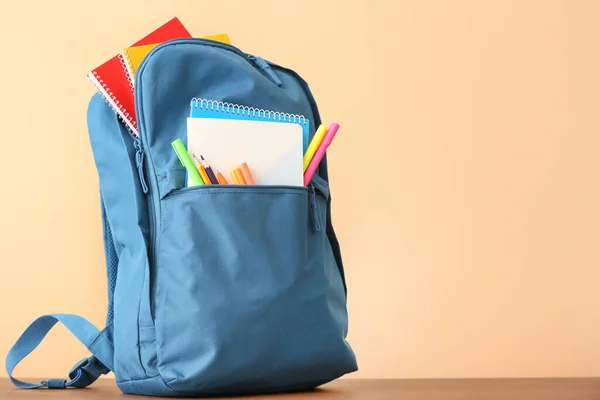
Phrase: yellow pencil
pixel 201 171
pixel 234 178
pixel 239 176
pixel 204 175
pixel 314 145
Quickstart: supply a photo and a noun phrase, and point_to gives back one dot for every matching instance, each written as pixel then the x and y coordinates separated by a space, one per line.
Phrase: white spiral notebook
pixel 272 143
pixel 272 150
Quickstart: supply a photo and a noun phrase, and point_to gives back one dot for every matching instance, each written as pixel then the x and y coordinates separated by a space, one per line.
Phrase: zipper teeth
pixel 237 188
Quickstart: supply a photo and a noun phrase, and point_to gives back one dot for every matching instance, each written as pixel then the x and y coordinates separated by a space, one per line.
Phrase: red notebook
pixel 111 80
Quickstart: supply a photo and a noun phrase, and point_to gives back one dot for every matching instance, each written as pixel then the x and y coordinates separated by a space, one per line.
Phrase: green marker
pixel 187 162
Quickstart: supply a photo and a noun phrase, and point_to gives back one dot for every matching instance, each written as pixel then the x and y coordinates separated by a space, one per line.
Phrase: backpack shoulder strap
pixel 84 372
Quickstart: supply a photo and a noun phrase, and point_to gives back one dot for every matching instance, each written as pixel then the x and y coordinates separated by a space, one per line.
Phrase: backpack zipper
pixel 305 88
pixel 228 187
pixel 139 161
pixel 314 210
pixel 262 64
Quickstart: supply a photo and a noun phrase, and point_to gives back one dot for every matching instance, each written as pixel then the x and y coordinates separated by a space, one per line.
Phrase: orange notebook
pixel 115 85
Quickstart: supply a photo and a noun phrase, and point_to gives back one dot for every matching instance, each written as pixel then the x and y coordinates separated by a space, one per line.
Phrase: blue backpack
pixel 213 290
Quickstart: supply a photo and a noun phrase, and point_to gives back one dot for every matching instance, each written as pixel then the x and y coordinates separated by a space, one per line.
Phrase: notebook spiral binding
pixel 115 102
pixel 230 108
pixel 127 65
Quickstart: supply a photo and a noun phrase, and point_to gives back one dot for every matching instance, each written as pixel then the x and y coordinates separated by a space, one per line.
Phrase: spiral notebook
pixel 116 87
pixel 203 108
pixel 270 142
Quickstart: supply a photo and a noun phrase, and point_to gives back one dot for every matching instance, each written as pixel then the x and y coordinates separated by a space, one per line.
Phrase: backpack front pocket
pixel 248 296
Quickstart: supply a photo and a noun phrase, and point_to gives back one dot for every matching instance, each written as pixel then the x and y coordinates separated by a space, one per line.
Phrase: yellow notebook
pixel 132 57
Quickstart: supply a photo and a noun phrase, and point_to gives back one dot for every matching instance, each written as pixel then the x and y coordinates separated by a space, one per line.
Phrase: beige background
pixel 465 176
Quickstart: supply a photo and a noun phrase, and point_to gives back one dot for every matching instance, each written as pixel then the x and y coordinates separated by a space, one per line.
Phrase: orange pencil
pixel 221 179
pixel 204 175
pixel 246 174
pixel 239 176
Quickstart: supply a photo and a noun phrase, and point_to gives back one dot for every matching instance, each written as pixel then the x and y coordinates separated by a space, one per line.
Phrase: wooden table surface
pixel 375 389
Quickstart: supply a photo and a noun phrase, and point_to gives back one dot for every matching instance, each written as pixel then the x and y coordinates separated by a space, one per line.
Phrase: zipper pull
pixel 314 210
pixel 139 160
pixel 262 64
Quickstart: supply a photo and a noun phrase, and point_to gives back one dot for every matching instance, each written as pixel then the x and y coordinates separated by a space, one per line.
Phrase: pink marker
pixel 314 163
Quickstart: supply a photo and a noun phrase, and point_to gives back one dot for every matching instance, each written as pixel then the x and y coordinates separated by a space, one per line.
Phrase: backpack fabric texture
pixel 212 290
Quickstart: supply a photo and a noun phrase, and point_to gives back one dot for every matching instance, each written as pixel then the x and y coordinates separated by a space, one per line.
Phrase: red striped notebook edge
pixel 108 96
